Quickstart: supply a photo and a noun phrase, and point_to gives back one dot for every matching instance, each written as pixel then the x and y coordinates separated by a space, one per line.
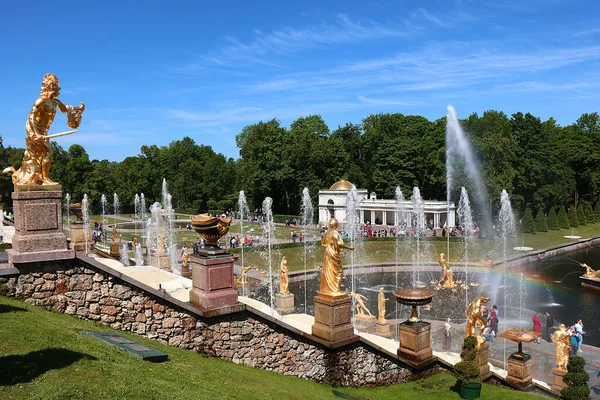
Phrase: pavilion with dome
pixel 332 203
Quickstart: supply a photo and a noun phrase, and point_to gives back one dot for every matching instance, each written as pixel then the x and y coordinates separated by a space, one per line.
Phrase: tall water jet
pixel 399 224
pixel 169 234
pixel 125 255
pixel 67 212
pixel 269 230
pixel 506 223
pixel 352 229
pixel 418 223
pixel 460 154
pixel 139 258
pixel 307 211
pixel 85 210
pixel 154 230
pixel 143 209
pixel 244 212
pixel 136 209
pixel 465 223
pixel 116 204
pixel 103 211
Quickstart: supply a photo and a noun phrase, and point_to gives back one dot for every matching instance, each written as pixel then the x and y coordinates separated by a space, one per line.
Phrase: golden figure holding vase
pixel 474 318
pixel 35 168
pixel 332 270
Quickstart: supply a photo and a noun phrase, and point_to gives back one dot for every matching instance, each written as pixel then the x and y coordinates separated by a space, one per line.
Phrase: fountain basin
pixel 414 297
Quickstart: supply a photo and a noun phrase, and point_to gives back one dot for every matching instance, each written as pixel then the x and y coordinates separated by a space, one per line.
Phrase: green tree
pixel 540 221
pixel 573 220
pixel 576 379
pixel 589 212
pixel 527 223
pixel 597 211
pixel 563 218
pixel 581 217
pixel 553 219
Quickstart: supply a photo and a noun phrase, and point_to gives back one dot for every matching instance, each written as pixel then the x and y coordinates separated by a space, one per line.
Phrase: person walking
pixel 493 319
pixel 537 326
pixel 579 332
pixel 549 326
pixel 447 335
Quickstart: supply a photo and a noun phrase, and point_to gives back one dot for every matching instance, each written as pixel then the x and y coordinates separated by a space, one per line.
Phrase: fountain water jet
pixel 67 213
pixel 307 211
pixel 506 221
pixel 125 255
pixel 465 222
pixel 244 212
pixel 352 228
pixel 399 224
pixel 269 229
pixel 86 222
pixel 418 222
pixel 116 205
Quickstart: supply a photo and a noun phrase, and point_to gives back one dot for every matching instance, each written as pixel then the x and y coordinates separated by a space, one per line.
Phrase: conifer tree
pixel 527 224
pixel 540 221
pixel 573 220
pixel 581 217
pixel 597 211
pixel 589 212
pixel 563 218
pixel 553 219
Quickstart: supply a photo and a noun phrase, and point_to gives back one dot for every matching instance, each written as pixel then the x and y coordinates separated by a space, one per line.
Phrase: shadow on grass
pixel 5 308
pixel 25 368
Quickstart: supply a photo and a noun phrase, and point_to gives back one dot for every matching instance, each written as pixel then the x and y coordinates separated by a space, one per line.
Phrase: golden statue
pixel 562 341
pixel 360 306
pixel 475 317
pixel 589 273
pixel 332 270
pixel 35 168
pixel 447 279
pixel 134 242
pixel 160 244
pixel 381 299
pixel 185 258
pixel 283 277
pixel 114 233
pixel 243 279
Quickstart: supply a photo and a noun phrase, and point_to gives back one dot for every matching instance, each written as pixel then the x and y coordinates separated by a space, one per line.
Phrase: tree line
pixel 541 164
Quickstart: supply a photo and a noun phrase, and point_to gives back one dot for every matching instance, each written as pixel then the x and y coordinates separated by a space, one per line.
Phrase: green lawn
pixel 44 355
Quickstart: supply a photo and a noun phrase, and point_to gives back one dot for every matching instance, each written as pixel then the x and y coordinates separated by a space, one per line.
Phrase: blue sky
pixel 155 71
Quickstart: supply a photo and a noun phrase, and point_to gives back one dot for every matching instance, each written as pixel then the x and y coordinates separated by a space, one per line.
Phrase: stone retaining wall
pixel 78 288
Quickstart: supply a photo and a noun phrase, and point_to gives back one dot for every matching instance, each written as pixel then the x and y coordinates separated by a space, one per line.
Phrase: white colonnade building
pixel 332 204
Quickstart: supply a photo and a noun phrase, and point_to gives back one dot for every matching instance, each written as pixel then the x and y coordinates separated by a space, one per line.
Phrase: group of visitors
pixel 575 331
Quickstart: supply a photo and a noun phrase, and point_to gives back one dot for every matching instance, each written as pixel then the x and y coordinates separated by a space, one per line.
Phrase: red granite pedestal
pixel 415 344
pixel 482 361
pixel 519 371
pixel 212 281
pixel 333 317
pixel 78 236
pixel 38 225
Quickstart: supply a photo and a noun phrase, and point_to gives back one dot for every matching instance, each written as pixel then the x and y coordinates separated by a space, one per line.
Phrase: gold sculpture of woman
pixel 35 168
pixel 474 316
pixel 381 299
pixel 185 258
pixel 283 277
pixel 332 270
pixel 562 341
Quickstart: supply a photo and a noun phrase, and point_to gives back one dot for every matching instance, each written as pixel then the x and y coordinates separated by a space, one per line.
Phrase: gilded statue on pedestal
pixel 589 273
pixel 35 168
pixel 185 258
pixel 243 279
pixel 562 342
pixel 332 270
pixel 447 279
pixel 283 277
pixel 475 317
pixel 381 299
pixel 360 306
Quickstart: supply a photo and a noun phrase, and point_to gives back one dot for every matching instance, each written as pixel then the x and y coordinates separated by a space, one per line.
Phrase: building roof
pixel 341 185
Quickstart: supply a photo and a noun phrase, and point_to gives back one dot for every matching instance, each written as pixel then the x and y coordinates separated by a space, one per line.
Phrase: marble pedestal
pixel 212 281
pixel 383 329
pixel 284 303
pixel 519 367
pixel 415 344
pixel 162 260
pixel 364 323
pixel 333 317
pixel 186 272
pixel 78 236
pixel 482 361
pixel 557 383
pixel 115 250
pixel 38 225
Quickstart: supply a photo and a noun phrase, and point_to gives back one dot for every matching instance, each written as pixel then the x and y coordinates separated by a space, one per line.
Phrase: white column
pixel 372 217
pixel 384 218
pixel 436 220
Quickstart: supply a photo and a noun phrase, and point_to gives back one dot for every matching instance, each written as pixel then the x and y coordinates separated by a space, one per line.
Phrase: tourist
pixel 549 326
pixel 447 335
pixel 579 331
pixel 537 326
pixel 493 320
pixel 574 341
pixel 488 335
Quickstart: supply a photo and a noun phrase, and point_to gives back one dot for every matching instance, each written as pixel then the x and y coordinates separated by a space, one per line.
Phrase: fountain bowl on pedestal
pixel 519 363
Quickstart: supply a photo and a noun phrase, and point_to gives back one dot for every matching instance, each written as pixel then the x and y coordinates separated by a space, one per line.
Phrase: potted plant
pixel 576 379
pixel 466 371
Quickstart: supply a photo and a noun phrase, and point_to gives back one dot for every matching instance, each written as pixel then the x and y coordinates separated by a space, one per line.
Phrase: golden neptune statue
pixel 475 317
pixel 35 168
pixel 332 270
pixel 562 342
pixel 447 279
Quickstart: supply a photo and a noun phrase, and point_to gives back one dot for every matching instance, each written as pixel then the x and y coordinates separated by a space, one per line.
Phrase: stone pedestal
pixel 519 375
pixel 78 237
pixel 415 344
pixel 212 281
pixel 482 361
pixel 333 318
pixel 38 225
pixel 115 250
pixel 364 323
pixel 558 383
pixel 162 260
pixel 284 303
pixel 383 329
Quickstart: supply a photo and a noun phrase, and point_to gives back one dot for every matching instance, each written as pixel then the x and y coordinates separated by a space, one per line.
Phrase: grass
pixel 44 355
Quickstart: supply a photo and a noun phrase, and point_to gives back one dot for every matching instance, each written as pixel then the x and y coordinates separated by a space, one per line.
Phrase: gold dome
pixel 341 185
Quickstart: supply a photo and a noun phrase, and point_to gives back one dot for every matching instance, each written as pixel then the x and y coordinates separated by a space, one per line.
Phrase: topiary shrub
pixel 527 224
pixel 540 221
pixel 581 215
pixel 466 371
pixel 576 379
pixel 553 219
pixel 589 212
pixel 573 220
pixel 563 218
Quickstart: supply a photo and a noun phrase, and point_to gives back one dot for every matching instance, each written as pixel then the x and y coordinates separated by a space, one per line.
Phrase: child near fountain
pixel 537 326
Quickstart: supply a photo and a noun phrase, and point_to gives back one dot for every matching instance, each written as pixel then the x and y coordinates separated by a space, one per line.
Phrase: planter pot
pixel 471 391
